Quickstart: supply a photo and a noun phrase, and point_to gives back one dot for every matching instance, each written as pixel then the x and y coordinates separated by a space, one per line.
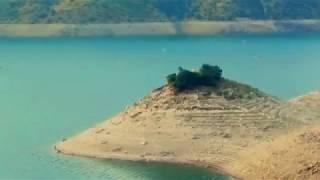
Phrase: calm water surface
pixel 53 88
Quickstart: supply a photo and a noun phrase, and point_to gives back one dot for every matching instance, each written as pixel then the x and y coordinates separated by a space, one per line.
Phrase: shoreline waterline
pixel 219 170
pixel 187 28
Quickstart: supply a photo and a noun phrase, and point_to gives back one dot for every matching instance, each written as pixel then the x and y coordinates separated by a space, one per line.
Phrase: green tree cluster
pixel 206 76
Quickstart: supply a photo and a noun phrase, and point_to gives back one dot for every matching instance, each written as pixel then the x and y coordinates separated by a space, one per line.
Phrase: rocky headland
pixel 205 126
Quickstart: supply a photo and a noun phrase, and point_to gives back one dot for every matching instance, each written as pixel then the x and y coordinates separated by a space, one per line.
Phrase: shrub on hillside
pixel 206 76
pixel 187 79
pixel 171 78
pixel 210 75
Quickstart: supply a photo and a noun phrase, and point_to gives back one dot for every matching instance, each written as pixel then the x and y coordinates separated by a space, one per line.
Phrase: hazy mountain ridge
pixel 114 11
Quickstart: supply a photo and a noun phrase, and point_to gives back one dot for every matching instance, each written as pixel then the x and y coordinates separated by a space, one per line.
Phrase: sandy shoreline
pixel 194 28
pixel 136 158
pixel 156 159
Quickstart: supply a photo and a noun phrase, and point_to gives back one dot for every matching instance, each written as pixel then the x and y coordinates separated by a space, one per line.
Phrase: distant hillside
pixel 114 11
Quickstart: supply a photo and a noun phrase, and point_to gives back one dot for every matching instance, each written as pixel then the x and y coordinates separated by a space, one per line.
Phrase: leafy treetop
pixel 206 76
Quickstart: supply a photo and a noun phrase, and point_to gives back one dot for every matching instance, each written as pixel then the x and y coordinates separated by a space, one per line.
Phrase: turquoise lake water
pixel 52 88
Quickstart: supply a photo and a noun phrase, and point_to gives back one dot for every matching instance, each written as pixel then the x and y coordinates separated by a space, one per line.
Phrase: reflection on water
pixel 114 169
pixel 152 171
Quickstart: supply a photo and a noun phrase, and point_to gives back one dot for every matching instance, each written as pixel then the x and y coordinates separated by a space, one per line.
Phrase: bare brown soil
pixel 196 127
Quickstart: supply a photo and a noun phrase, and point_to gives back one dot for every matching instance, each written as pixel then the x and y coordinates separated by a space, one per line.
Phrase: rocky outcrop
pixel 198 126
pixel 293 155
